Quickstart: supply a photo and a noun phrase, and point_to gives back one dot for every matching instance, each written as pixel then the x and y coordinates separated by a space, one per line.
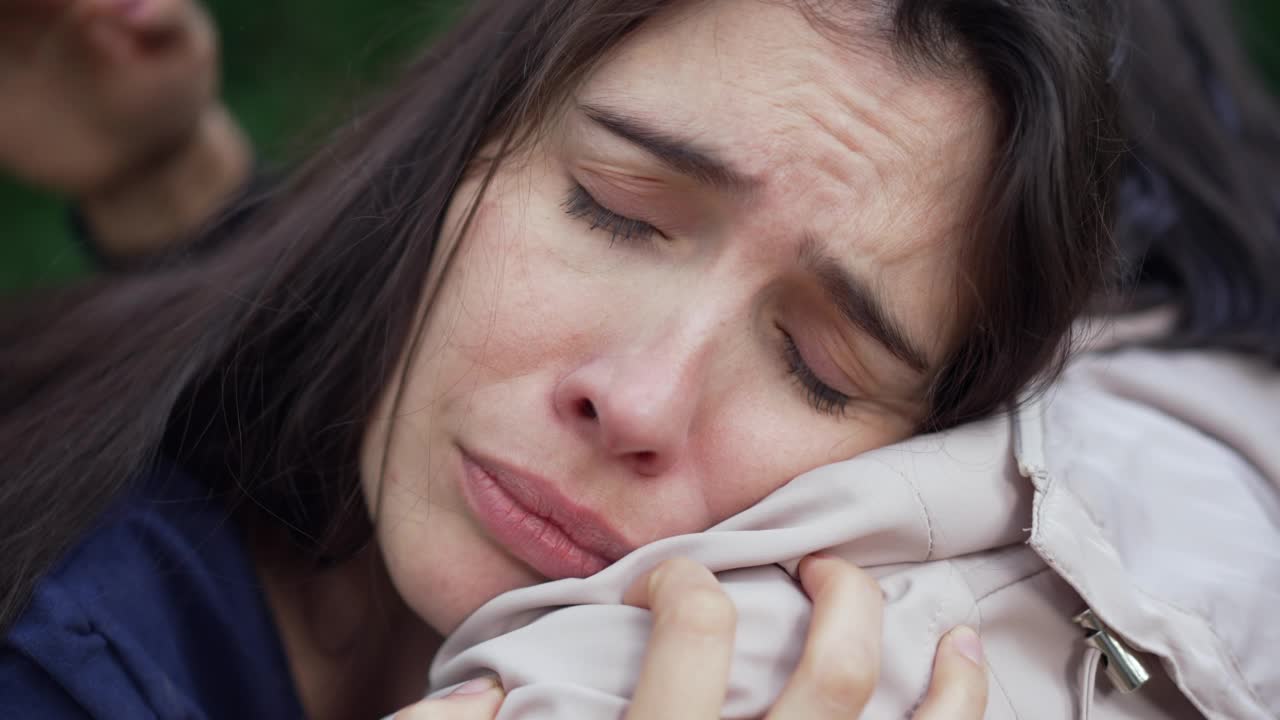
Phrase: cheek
pixel 764 438
pixel 522 295
pixel 503 313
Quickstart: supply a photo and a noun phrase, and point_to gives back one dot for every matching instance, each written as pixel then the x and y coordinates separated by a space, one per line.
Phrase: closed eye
pixel 581 205
pixel 824 398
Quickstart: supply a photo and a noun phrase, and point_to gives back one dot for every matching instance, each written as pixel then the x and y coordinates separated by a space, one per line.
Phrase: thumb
pixel 477 699
pixel 159 16
pixel 145 16
pixel 958 689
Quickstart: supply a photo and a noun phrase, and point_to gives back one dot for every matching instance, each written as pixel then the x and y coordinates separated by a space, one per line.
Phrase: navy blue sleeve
pixel 27 691
pixel 78 670
pixel 157 615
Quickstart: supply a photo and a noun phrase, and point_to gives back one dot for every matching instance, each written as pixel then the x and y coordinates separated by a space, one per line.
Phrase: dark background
pixel 291 68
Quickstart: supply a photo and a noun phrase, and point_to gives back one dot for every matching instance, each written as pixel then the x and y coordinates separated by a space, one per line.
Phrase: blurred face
pixel 730 260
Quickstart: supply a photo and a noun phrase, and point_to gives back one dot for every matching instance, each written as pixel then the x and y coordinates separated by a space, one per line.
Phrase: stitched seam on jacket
pixel 1011 583
pixel 924 513
pixel 977 609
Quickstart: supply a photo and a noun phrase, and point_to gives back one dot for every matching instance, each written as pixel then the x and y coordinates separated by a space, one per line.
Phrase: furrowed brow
pixel 680 154
pixel 862 306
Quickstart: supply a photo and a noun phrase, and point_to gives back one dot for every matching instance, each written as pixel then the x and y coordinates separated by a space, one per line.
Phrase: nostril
pixel 586 409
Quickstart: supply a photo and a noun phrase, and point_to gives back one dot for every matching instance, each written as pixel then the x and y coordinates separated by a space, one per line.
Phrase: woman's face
pixel 732 259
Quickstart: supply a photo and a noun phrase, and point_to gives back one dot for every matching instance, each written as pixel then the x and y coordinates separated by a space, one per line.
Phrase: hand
pixel 477 699
pixel 94 89
pixel 114 103
pixel 686 666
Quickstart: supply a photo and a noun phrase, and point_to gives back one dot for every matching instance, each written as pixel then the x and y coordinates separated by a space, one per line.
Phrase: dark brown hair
pixel 259 366
pixel 1199 220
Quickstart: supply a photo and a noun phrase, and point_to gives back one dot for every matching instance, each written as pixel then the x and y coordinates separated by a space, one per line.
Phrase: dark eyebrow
pixel 680 154
pixel 861 305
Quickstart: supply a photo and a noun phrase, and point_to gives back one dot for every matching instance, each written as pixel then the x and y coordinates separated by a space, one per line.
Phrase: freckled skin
pixel 677 344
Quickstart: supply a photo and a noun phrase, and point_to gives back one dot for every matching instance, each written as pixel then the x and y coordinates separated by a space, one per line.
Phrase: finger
pixel 686 665
pixel 477 699
pixel 958 689
pixel 110 43
pixel 148 20
pixel 82 11
pixel 841 661
pixel 167 36
pixel 158 17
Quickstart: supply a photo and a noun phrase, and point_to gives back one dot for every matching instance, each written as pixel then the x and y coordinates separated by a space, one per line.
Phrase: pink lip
pixel 535 522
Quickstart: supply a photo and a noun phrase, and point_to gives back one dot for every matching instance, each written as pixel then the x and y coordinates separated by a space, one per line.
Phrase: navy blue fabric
pixel 156 614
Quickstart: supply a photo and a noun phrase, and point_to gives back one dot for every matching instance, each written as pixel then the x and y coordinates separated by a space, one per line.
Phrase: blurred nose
pixel 637 407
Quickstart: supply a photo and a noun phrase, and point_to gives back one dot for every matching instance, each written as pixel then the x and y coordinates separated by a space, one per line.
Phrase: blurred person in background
pixel 1210 175
pixel 115 106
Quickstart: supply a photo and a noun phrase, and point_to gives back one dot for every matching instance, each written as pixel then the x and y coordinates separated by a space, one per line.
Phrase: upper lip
pixel 541 497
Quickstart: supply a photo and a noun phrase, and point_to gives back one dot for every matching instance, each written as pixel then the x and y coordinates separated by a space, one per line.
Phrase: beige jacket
pixel 1145 487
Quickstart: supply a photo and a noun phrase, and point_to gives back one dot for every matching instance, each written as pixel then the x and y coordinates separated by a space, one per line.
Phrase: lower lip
pixel 533 539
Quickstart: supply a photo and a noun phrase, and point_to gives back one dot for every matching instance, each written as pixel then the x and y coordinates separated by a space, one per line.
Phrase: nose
pixel 636 407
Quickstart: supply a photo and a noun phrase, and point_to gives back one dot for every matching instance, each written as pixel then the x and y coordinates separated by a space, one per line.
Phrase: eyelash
pixel 822 396
pixel 581 205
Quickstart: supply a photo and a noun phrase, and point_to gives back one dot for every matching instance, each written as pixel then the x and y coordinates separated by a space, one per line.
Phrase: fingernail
pixel 475 687
pixel 130 8
pixel 967 643
pixel 818 557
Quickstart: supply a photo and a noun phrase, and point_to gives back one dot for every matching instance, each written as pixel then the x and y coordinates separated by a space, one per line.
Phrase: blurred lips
pixel 532 520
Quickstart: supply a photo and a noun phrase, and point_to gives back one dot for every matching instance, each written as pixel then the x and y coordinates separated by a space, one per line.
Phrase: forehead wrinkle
pixel 882 106
pixel 879 128
pixel 878 138
pixel 926 181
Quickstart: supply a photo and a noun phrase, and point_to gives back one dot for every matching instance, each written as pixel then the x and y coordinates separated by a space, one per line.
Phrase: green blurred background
pixel 292 66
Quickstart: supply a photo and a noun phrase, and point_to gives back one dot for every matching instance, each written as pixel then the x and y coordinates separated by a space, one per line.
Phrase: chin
pixel 441 562
pixel 449 571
